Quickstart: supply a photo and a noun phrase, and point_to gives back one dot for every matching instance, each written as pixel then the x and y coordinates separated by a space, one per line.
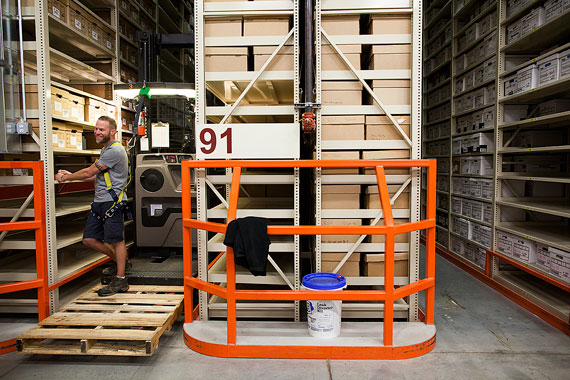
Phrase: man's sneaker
pixel 108 273
pixel 117 285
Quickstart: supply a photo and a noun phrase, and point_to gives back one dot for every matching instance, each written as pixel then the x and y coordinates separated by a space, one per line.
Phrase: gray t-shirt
pixel 115 159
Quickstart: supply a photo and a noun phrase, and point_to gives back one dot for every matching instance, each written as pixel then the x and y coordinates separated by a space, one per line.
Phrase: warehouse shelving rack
pixel 400 340
pixel 516 211
pixel 243 93
pixel 401 182
pixel 438 81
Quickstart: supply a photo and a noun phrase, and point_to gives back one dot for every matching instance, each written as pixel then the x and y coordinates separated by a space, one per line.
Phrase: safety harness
pixel 118 203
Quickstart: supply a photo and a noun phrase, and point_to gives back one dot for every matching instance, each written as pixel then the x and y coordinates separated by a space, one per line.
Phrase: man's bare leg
pixel 120 257
pixel 99 246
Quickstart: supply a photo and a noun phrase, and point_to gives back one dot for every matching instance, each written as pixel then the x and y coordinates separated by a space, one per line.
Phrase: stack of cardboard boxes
pixel 351 128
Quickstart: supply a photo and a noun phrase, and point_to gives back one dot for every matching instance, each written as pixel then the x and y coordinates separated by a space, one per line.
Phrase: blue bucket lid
pixel 324 281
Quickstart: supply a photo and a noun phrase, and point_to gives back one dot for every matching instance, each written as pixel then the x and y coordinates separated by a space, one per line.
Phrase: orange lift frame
pixel 38 224
pixel 390 294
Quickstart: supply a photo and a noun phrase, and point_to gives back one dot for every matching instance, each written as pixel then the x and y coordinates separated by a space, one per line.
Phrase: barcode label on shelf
pixel 245 141
pixel 109 45
pixel 55 12
pixel 78 24
pixel 95 35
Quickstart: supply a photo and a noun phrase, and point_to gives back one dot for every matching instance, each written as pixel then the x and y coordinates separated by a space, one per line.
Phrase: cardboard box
pixel 226 59
pixel 532 20
pixel 391 24
pixel 548 70
pixel 372 199
pixel 341 93
pixel 331 60
pixel 552 9
pixel 399 238
pixel 344 155
pixel 391 57
pixel 283 61
pixel 524 249
pixel 560 263
pixel 340 201
pixel 264 26
pixel 505 242
pixel 77 107
pixel 341 24
pixel 223 27
pixel 77 19
pixel 59 102
pixel 374 264
pixel 342 127
pixel 543 256
pixel 564 62
pixel 392 91
pixel 351 268
pixel 387 155
pixel 381 128
pixel 58 9
pixel 94 109
pixel 340 238
pixel 457 245
pixel 514 31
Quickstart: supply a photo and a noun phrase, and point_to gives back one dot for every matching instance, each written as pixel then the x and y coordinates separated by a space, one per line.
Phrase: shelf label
pixel 531 119
pixel 247 141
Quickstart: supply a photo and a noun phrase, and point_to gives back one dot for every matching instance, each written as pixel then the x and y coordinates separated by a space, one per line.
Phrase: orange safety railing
pixel 38 224
pixel 389 295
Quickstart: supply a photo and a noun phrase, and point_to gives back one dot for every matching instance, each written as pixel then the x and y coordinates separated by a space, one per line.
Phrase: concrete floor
pixel 481 335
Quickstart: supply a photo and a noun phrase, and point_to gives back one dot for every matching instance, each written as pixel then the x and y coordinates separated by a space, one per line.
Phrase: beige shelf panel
pixel 262 207
pixel 547 34
pixel 537 291
pixel 551 234
pixel 559 207
pixel 561 117
pixel 64 205
pixel 556 177
pixel 279 243
pixel 217 273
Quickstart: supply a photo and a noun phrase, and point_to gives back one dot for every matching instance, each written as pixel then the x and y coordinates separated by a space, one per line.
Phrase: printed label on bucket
pixel 321 318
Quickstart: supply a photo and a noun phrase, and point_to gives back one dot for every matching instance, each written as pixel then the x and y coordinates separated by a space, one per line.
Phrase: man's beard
pixel 105 139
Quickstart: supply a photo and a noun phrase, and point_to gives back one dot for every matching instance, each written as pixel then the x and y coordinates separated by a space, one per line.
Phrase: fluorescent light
pixel 132 90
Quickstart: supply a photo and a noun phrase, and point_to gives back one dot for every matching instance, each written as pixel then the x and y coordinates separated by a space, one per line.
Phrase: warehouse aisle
pixel 480 335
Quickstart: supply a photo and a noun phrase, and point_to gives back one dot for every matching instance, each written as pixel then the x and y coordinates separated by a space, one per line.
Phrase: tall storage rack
pixel 472 123
pixel 532 181
pixel 368 79
pixel 436 104
pixel 509 189
pixel 67 65
pixel 246 55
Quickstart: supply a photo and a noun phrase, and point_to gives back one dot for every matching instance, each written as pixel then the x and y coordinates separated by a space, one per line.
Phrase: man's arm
pixel 84 174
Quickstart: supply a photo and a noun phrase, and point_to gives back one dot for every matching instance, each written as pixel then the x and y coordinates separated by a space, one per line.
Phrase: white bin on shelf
pixel 324 317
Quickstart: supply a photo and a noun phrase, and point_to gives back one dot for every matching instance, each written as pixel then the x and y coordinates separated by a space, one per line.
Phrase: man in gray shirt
pixel 104 230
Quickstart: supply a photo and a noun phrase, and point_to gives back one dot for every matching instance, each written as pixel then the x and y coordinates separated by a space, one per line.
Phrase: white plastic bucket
pixel 324 317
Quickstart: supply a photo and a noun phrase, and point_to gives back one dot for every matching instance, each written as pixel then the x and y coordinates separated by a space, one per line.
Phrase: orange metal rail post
pixel 37 224
pixel 388 350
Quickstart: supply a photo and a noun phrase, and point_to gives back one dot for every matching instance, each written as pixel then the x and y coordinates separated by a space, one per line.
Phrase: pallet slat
pixel 105 319
pixel 120 308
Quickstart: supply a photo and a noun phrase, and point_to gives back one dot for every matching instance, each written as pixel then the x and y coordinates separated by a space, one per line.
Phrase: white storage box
pixel 487 212
pixel 510 84
pixel 488 117
pixel 469 251
pixel 554 106
pixel 560 263
pixel 486 189
pixel 462 227
pixel 477 210
pixel 490 68
pixel 548 70
pixel 553 8
pixel 483 142
pixel 564 60
pixel 532 20
pixel 524 250
pixel 475 187
pixel 527 78
pixel 456 205
pixel 457 245
pixel 479 98
pixel 505 243
pixel 514 31
pixel 466 208
pixel 543 256
pixel 482 165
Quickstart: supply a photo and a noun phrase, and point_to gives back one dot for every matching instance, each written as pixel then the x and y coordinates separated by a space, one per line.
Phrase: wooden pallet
pixel 125 324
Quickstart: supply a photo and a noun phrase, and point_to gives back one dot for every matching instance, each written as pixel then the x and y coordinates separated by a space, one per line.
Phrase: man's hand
pixel 60 175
